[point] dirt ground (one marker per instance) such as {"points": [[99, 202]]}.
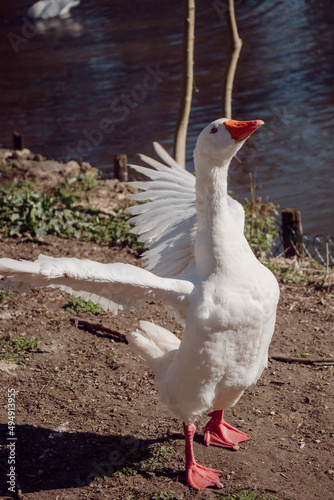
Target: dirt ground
{"points": [[87, 408], [89, 424]]}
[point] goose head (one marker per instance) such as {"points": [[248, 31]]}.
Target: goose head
{"points": [[221, 140]]}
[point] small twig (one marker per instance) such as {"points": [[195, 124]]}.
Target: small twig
{"points": [[33, 239], [97, 327], [303, 361]]}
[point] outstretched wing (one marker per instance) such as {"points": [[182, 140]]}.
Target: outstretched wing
{"points": [[113, 286], [167, 224]]}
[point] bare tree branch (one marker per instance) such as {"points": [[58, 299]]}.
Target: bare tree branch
{"points": [[233, 61], [180, 137]]}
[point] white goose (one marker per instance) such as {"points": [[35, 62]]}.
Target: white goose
{"points": [[47, 9], [226, 297]]}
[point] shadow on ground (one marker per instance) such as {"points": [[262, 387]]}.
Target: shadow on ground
{"points": [[47, 460]]}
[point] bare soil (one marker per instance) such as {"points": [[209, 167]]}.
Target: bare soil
{"points": [[87, 407], [87, 410]]}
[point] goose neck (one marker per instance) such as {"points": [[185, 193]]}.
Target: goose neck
{"points": [[213, 219]]}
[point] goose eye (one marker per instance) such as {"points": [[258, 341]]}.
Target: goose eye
{"points": [[214, 130]]}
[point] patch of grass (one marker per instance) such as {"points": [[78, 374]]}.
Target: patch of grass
{"points": [[78, 306], [244, 493], [292, 276], [18, 348], [294, 271], [302, 355], [160, 454], [165, 495], [6, 295], [126, 471]]}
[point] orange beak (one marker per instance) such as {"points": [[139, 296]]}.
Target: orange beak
{"points": [[241, 130]]}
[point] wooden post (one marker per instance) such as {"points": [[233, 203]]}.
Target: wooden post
{"points": [[121, 168], [292, 233], [18, 142]]}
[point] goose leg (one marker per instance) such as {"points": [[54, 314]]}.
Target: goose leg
{"points": [[219, 433], [198, 477]]}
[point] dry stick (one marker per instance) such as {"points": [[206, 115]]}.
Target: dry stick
{"points": [[186, 85], [231, 67], [97, 327], [303, 361], [327, 261]]}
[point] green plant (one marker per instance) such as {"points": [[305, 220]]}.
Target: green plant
{"points": [[303, 354], [18, 348], [114, 228], [260, 223], [75, 188], [6, 295], [37, 214], [244, 493], [287, 271], [77, 306], [25, 210], [160, 454], [165, 495], [294, 276]]}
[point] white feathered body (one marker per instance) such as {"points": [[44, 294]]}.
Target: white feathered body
{"points": [[229, 324], [218, 359]]}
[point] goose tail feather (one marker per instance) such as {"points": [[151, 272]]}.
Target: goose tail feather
{"points": [[153, 343]]}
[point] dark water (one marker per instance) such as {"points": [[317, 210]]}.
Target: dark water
{"points": [[107, 81]]}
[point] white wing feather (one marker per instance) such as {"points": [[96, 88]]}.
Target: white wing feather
{"points": [[113, 286], [167, 224]]}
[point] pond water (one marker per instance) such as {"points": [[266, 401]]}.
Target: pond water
{"points": [[107, 81]]}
